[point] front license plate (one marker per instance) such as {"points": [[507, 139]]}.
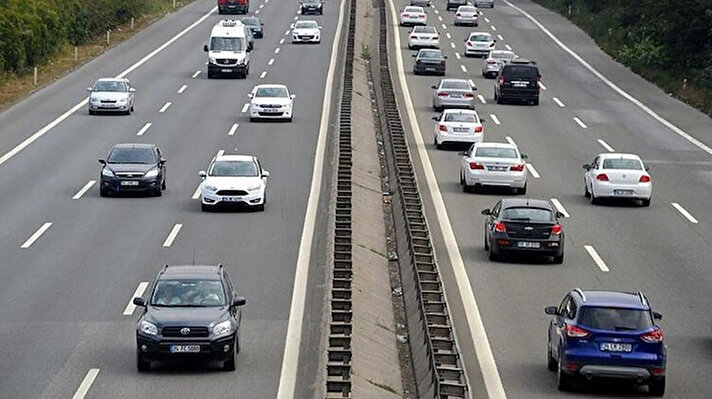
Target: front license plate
{"points": [[232, 199], [185, 348], [271, 111], [526, 244], [623, 193], [226, 70], [616, 347], [129, 183]]}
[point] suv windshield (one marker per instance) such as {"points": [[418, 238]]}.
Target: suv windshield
{"points": [[234, 168], [132, 155], [111, 86], [520, 71], [460, 117], [271, 92], [528, 214], [615, 318], [227, 44], [191, 293], [493, 152], [622, 163]]}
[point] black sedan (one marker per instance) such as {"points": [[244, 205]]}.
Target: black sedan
{"points": [[131, 168], [255, 24], [429, 61], [312, 7], [524, 226]]}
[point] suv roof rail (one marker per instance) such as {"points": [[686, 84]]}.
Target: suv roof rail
{"points": [[643, 299], [580, 292]]}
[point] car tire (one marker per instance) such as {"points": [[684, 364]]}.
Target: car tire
{"points": [[92, 112], [253, 119], [103, 192], [564, 381], [522, 190], [586, 194], [157, 192], [229, 364], [205, 208], [550, 361], [142, 364], [435, 142], [163, 185], [592, 198], [535, 102], [646, 202], [486, 243], [559, 259], [493, 256], [210, 74], [657, 387]]}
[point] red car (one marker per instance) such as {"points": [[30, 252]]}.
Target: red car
{"points": [[233, 6]]}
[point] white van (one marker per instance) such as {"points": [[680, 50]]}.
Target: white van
{"points": [[228, 50]]}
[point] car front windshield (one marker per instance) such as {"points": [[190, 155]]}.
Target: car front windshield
{"points": [[111, 86], [311, 1], [460, 117], [188, 293], [622, 163], [306, 25], [234, 168], [132, 155], [480, 38], [615, 319], [494, 152], [456, 85], [227, 44], [528, 214], [279, 92]]}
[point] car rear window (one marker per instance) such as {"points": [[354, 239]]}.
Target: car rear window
{"points": [[480, 38], [528, 214], [413, 9], [616, 319], [467, 9], [493, 152], [424, 29], [622, 163], [457, 85], [432, 54], [521, 71], [503, 55], [460, 117]]}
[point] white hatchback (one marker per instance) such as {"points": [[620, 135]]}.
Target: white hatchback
{"points": [[458, 126], [271, 101], [479, 44], [234, 180], [613, 175], [306, 32], [413, 15], [493, 164]]}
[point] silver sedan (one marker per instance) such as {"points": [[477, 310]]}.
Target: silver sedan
{"points": [[111, 95], [453, 93], [494, 62], [467, 15]]}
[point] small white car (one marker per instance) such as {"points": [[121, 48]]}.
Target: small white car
{"points": [[111, 95], [413, 15], [457, 126], [493, 164], [467, 15], [234, 180], [494, 61], [613, 175], [306, 32], [423, 36], [479, 44], [271, 101]]}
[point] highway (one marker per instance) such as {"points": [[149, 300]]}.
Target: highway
{"points": [[72, 261], [663, 250]]}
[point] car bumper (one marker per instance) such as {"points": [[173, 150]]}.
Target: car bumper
{"points": [[119, 185], [212, 199], [503, 179], [637, 366], [317, 10], [523, 95], [282, 113], [477, 51], [455, 102], [466, 21], [458, 138], [419, 43], [160, 349], [438, 69], [314, 39], [413, 21], [552, 247], [638, 191], [227, 69], [109, 109]]}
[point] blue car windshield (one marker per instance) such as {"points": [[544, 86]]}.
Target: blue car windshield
{"points": [[615, 319]]}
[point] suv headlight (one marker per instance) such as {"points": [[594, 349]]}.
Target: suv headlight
{"points": [[107, 172], [148, 328], [151, 173], [223, 328]]}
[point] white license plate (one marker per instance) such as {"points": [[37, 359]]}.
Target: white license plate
{"points": [[616, 347], [460, 130], [498, 169], [520, 84], [107, 106], [526, 244], [185, 348], [623, 193], [226, 70], [271, 111], [456, 95], [129, 183], [232, 199]]}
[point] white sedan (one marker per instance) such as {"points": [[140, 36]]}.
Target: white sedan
{"points": [[271, 102], [479, 44], [493, 164], [234, 180], [306, 32], [413, 15], [612, 175], [458, 126], [423, 36]]}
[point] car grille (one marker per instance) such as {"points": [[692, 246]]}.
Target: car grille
{"points": [[108, 101], [271, 113], [129, 174], [225, 61], [306, 37], [231, 192], [194, 332]]}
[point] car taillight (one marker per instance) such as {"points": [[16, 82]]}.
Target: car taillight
{"points": [[414, 37], [406, 15], [443, 128], [469, 95], [576, 332], [469, 43], [644, 179], [421, 16], [458, 14], [475, 165], [517, 168], [500, 227], [478, 129], [653, 337], [556, 230], [501, 79], [602, 177], [491, 62], [443, 94]]}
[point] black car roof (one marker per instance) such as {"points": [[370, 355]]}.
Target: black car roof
{"points": [[206, 272], [134, 145], [525, 203]]}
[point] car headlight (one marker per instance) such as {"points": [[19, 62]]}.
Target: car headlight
{"points": [[223, 328], [148, 328], [122, 101], [107, 172], [253, 188], [94, 100], [212, 60], [151, 173], [210, 188]]}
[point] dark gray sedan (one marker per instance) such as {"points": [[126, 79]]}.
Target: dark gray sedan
{"points": [[429, 61]]}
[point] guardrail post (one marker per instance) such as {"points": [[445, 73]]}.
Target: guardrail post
{"points": [[35, 76]]}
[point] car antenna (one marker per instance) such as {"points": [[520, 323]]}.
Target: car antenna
{"points": [[193, 256]]}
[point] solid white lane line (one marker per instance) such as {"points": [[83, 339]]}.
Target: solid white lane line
{"points": [[271, 61], [452, 45], [615, 87], [493, 28], [245, 107], [447, 34], [86, 384], [233, 129], [684, 212], [144, 129], [463, 68], [263, 74], [182, 89], [487, 20], [559, 207], [196, 193], [128, 311], [532, 171], [281, 41], [290, 359], [172, 235], [482, 98], [508, 47], [83, 190], [580, 122], [478, 335], [557, 101], [596, 258], [605, 145], [500, 37], [195, 75], [495, 119], [457, 55], [276, 51], [37, 235], [164, 107], [220, 153]]}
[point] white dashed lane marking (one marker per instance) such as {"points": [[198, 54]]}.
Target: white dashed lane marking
{"points": [[533, 171], [263, 74], [559, 207], [84, 190], [495, 119], [493, 28], [447, 34], [482, 98], [508, 47], [605, 145], [487, 20], [542, 86], [580, 122], [463, 68], [196, 193], [457, 55], [172, 235], [500, 37], [557, 101], [144, 129], [245, 107], [281, 41], [182, 89], [164, 107], [684, 212], [233, 129], [34, 237], [128, 311], [452, 45], [271, 61], [86, 384], [596, 258], [276, 51], [195, 75]]}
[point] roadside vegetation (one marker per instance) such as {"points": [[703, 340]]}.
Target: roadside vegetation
{"points": [[668, 42]]}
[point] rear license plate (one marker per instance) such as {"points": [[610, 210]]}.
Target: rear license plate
{"points": [[460, 130], [498, 168], [616, 347], [623, 193], [232, 199], [129, 183], [226, 70], [520, 84], [526, 244], [185, 348], [455, 95], [430, 69]]}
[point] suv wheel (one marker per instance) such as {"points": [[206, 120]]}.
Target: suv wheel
{"points": [[550, 361], [657, 387], [559, 259], [565, 381], [229, 364], [141, 363]]}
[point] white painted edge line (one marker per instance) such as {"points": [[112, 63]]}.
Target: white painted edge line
{"points": [[615, 87], [172, 235], [197, 192], [290, 359], [500, 37], [164, 107], [448, 35], [580, 122], [195, 75], [182, 89], [281, 41], [233, 129], [605, 145], [482, 98], [533, 171], [144, 129], [508, 47], [487, 20], [452, 45], [495, 119], [271, 61], [511, 141], [558, 102], [86, 384], [493, 28], [457, 55], [263, 74], [596, 258], [463, 68], [84, 189], [684, 212], [483, 350], [128, 311], [542, 86], [245, 107], [36, 235], [276, 51], [560, 207]]}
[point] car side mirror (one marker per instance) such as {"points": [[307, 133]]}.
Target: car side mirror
{"points": [[551, 310], [163, 160], [265, 173], [248, 50], [291, 26], [524, 156], [494, 41], [657, 316], [474, 88], [433, 87], [482, 121], [132, 90], [249, 95], [414, 55], [435, 118], [205, 47], [486, 212], [445, 56], [462, 153], [89, 89], [320, 28], [102, 161], [587, 166], [559, 214], [202, 174], [239, 301], [647, 168], [293, 96], [138, 301]]}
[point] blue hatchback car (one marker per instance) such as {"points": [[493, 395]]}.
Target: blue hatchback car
{"points": [[606, 334]]}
